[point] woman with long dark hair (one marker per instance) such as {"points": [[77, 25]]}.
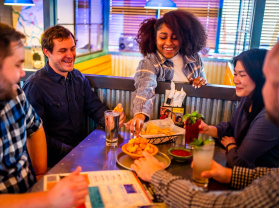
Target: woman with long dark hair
{"points": [[170, 46], [250, 139]]}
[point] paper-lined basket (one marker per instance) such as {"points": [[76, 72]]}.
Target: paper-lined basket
{"points": [[162, 138]]}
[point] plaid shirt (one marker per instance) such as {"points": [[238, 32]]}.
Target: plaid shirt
{"points": [[18, 120], [242, 177], [153, 68], [178, 192]]}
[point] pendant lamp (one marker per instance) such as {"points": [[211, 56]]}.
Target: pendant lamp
{"points": [[160, 4], [19, 3]]}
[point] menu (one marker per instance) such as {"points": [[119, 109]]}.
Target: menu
{"points": [[114, 188]]}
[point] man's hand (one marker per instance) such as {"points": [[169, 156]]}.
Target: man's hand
{"points": [[198, 82], [218, 172], [147, 166], [70, 191], [119, 109], [122, 119], [135, 125]]}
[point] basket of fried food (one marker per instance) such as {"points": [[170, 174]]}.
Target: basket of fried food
{"points": [[161, 131], [135, 147]]}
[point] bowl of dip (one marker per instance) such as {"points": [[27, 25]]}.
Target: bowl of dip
{"points": [[180, 154]]}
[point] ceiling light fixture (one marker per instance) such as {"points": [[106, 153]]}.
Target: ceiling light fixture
{"points": [[160, 4], [19, 3]]}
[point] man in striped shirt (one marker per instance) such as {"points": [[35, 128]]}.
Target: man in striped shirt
{"points": [[263, 192]]}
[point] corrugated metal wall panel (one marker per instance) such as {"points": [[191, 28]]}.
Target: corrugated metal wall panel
{"points": [[126, 66], [214, 110]]}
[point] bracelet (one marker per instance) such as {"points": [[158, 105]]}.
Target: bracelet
{"points": [[229, 145]]}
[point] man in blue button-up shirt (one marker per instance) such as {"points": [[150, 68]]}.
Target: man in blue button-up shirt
{"points": [[61, 95]]}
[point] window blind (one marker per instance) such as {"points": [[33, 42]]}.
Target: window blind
{"points": [[127, 15], [236, 22], [270, 29]]}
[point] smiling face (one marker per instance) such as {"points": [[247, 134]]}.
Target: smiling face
{"points": [[244, 85], [63, 55], [167, 42]]}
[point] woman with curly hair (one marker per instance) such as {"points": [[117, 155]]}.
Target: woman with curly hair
{"points": [[250, 139], [170, 46]]}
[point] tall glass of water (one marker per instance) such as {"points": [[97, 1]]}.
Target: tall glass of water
{"points": [[111, 127], [202, 159]]}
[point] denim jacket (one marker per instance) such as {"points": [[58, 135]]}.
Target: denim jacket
{"points": [[153, 68]]}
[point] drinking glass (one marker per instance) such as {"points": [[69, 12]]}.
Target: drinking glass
{"points": [[191, 132], [111, 127], [202, 159]]}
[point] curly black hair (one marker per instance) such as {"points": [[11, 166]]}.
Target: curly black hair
{"points": [[188, 29]]}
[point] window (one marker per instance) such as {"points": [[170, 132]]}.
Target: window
{"points": [[84, 18], [127, 15], [270, 28], [236, 24], [230, 24], [124, 20], [207, 12]]}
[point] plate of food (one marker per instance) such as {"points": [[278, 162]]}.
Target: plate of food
{"points": [[135, 147], [125, 161], [133, 150], [161, 130]]}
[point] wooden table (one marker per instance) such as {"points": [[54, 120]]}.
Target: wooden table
{"points": [[92, 154]]}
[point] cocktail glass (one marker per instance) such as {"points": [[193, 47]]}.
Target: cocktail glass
{"points": [[202, 159], [191, 132]]}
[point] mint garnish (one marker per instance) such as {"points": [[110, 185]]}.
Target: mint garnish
{"points": [[193, 117]]}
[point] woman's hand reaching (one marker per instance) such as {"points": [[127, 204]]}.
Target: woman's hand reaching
{"points": [[198, 82], [208, 129], [135, 125], [203, 128]]}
